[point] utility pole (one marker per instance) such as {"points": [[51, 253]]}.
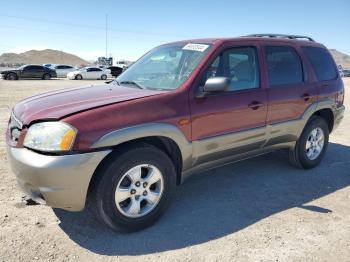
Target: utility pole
{"points": [[106, 35]]}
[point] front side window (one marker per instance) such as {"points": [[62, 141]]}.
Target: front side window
{"points": [[240, 65], [29, 68], [321, 62], [166, 67], [284, 66]]}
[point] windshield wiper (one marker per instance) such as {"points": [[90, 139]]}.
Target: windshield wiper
{"points": [[131, 83]]}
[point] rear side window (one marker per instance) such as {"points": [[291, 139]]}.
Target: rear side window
{"points": [[321, 62], [284, 66]]}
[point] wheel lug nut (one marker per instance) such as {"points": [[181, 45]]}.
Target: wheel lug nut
{"points": [[137, 184], [133, 191], [145, 193], [137, 197], [145, 184]]}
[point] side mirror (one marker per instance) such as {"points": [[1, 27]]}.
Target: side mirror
{"points": [[214, 85]]}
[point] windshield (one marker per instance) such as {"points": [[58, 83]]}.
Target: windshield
{"points": [[166, 67]]}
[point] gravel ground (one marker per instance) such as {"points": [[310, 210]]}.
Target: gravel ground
{"points": [[258, 209]]}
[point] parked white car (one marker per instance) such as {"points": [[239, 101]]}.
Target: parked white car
{"points": [[90, 73], [63, 70]]}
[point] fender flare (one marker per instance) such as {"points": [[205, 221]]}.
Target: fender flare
{"points": [[120, 136]]}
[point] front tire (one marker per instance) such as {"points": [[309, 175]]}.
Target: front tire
{"points": [[78, 77], [103, 77], [312, 144], [133, 188], [11, 76]]}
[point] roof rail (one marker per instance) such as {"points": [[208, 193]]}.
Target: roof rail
{"points": [[282, 36]]}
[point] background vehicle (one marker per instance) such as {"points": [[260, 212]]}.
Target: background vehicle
{"points": [[115, 70], [89, 73], [29, 71], [63, 70], [346, 72], [340, 69], [121, 149], [49, 65]]}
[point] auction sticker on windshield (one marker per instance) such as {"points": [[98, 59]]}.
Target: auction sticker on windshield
{"points": [[195, 47]]}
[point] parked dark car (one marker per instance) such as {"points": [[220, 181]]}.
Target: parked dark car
{"points": [[115, 70], [346, 72], [121, 149], [29, 71]]}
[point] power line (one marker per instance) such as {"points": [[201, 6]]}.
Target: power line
{"points": [[73, 34], [40, 20]]}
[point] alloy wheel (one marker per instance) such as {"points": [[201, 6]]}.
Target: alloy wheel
{"points": [[139, 190], [314, 143]]}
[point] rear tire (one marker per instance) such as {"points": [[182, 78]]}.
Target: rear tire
{"points": [[46, 77], [103, 77], [138, 210], [312, 144], [78, 77]]}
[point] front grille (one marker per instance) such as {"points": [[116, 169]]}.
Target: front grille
{"points": [[15, 127]]}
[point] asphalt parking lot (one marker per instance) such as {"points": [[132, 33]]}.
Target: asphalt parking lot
{"points": [[258, 209]]}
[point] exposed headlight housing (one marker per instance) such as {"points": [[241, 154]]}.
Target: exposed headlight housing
{"points": [[50, 137]]}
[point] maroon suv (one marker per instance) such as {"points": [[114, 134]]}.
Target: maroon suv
{"points": [[120, 149]]}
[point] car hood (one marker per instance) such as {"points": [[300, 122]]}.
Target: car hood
{"points": [[56, 105], [8, 71]]}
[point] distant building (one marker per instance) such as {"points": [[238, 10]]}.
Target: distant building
{"points": [[122, 63], [107, 61]]}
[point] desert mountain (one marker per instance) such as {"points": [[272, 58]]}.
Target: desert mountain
{"points": [[58, 57], [41, 57], [341, 58]]}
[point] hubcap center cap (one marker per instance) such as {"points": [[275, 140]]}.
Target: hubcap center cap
{"points": [[137, 191]]}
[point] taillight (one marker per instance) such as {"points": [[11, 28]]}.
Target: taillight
{"points": [[340, 98]]}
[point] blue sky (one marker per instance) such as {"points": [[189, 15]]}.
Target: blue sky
{"points": [[137, 26]]}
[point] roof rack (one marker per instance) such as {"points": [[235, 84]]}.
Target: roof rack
{"points": [[282, 36]]}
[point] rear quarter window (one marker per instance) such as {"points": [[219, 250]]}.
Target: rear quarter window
{"points": [[321, 62]]}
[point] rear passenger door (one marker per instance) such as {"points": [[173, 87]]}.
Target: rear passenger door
{"points": [[289, 91], [38, 71]]}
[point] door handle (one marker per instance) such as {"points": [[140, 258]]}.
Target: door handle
{"points": [[306, 97], [255, 105]]}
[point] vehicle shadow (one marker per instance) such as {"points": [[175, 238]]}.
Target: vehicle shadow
{"points": [[219, 202]]}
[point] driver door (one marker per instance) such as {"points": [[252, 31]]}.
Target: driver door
{"points": [[27, 72], [232, 121]]}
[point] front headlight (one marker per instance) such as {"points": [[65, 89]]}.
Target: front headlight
{"points": [[50, 136]]}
